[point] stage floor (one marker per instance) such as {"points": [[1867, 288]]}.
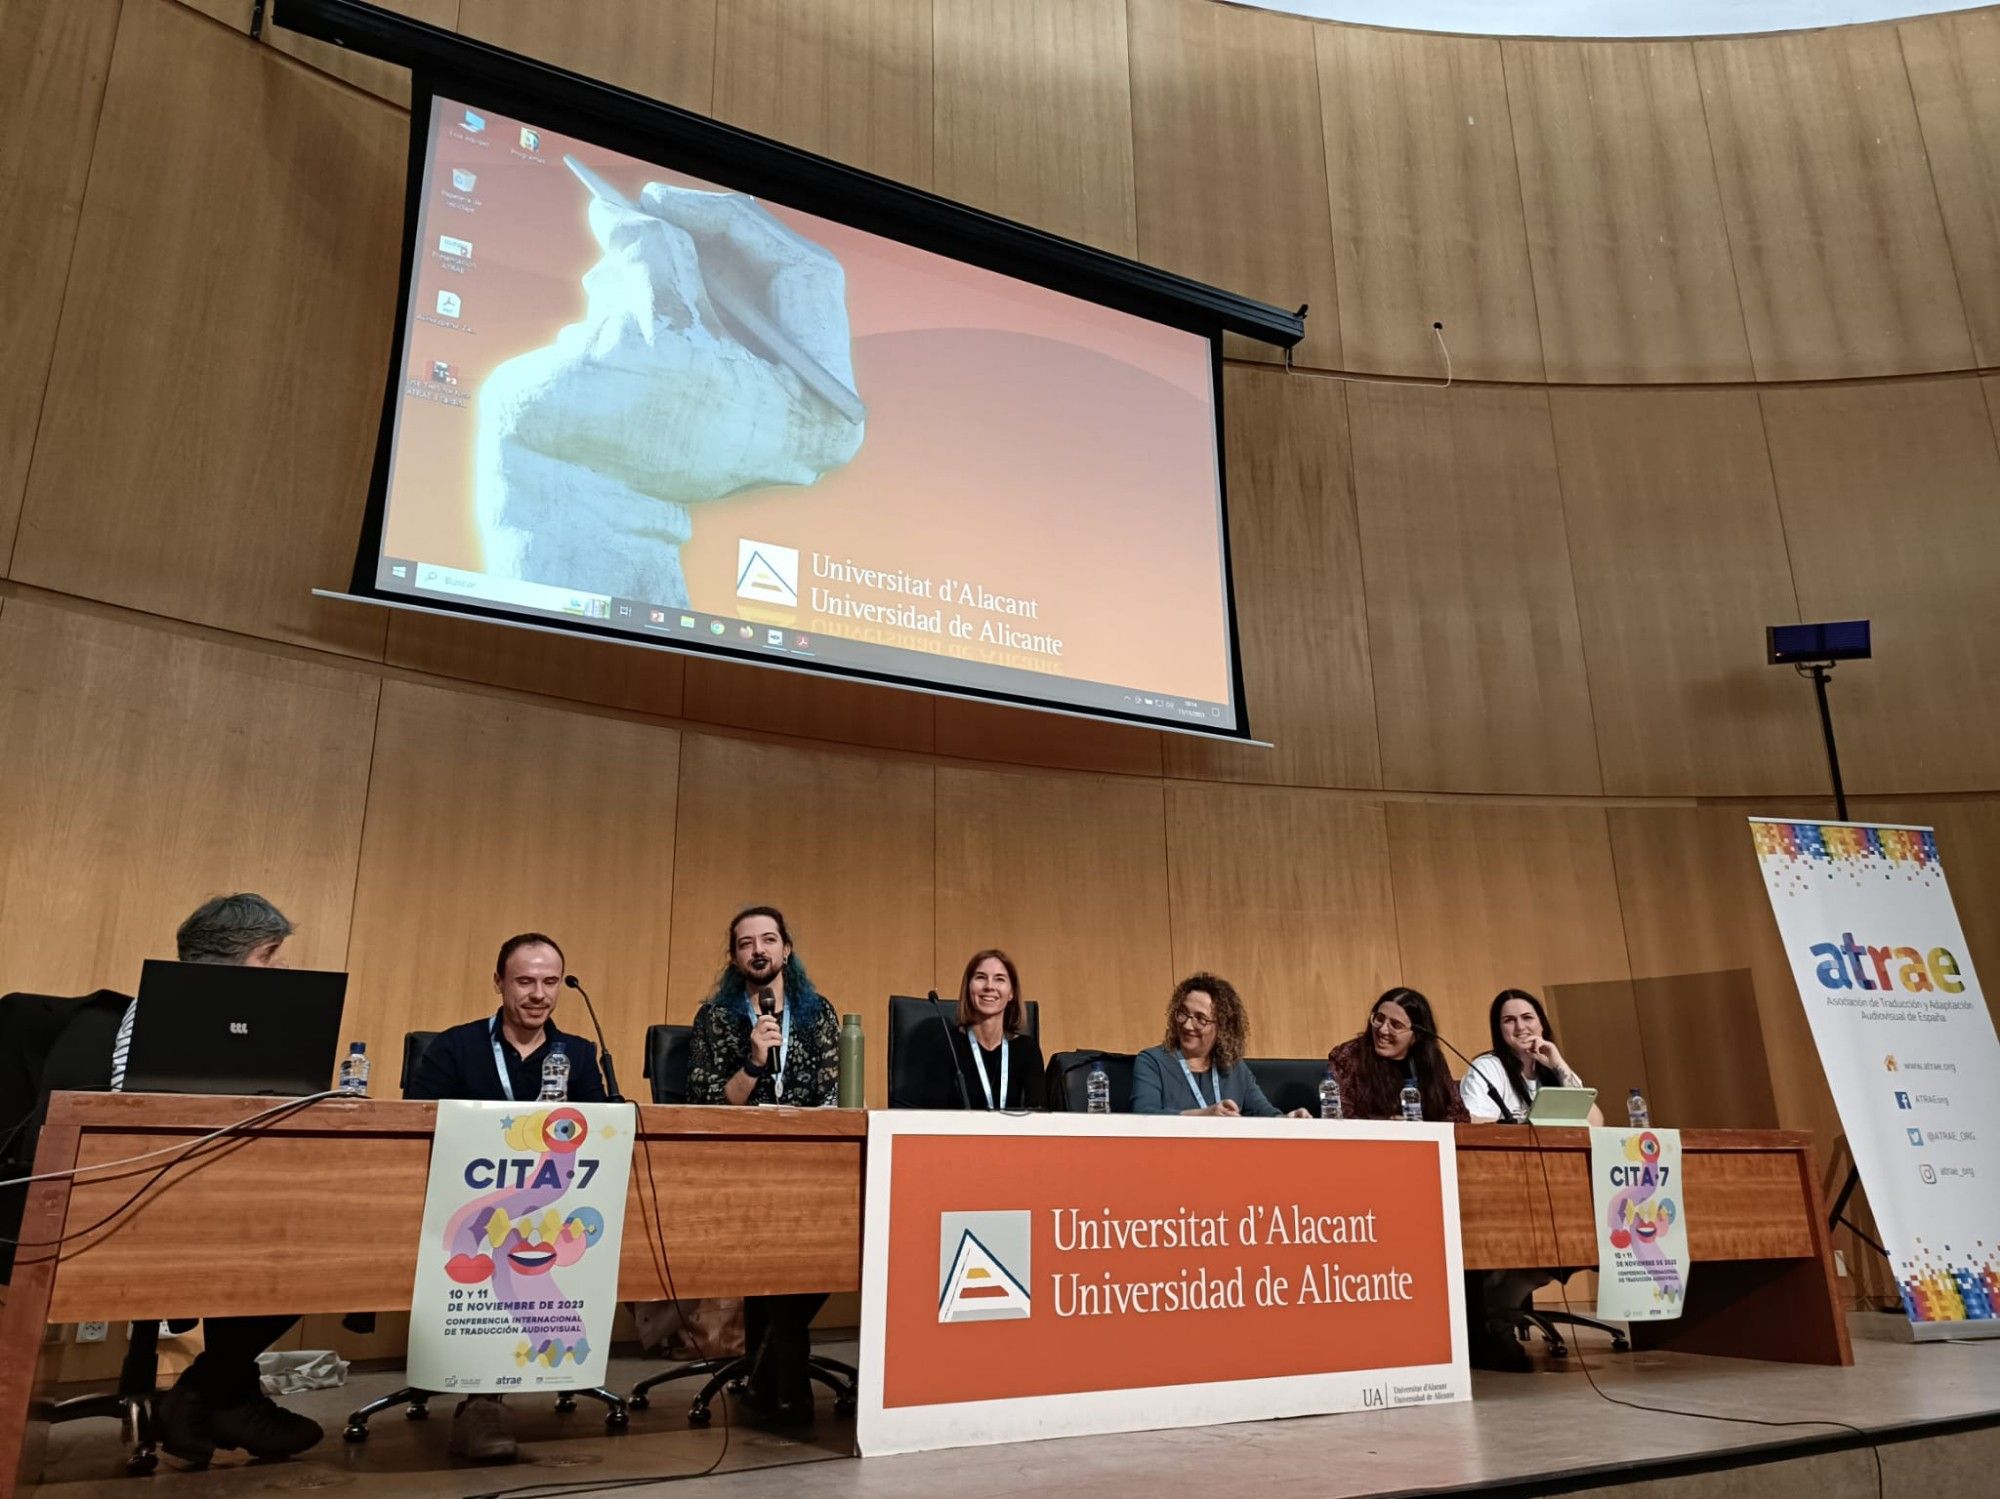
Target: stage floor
{"points": [[1518, 1432]]}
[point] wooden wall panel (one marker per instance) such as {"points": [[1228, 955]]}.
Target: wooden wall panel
{"points": [[1231, 165], [783, 702], [1472, 624], [1834, 227], [488, 817], [1891, 500], [665, 52], [1496, 896], [540, 661], [54, 54], [1680, 562], [1034, 114], [1633, 280], [148, 771], [841, 843], [1300, 615], [1705, 1061], [1021, 736], [1301, 935], [1427, 222], [1954, 67], [1693, 903], [213, 405], [1069, 875], [370, 74], [850, 79]]}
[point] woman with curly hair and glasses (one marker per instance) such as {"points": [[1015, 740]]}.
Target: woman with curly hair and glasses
{"points": [[1199, 1068]]}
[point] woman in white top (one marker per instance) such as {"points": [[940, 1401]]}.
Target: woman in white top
{"points": [[1503, 1082]]}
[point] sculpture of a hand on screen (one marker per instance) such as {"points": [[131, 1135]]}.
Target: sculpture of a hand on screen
{"points": [[713, 357]]}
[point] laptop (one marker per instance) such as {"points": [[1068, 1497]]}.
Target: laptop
{"points": [[217, 1028], [1562, 1105]]}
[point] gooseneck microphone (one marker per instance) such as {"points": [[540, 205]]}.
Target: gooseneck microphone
{"points": [[611, 1092], [1506, 1113], [767, 1004], [951, 1049]]}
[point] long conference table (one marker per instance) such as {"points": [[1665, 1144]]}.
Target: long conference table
{"points": [[320, 1210]]}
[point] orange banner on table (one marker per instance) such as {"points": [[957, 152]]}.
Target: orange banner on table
{"points": [[1031, 1277]]}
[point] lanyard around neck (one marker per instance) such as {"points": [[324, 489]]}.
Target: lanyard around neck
{"points": [[1215, 1074], [979, 1066], [500, 1058]]}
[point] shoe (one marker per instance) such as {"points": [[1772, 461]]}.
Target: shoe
{"points": [[481, 1431], [262, 1428], [181, 1426], [760, 1409], [1495, 1347]]}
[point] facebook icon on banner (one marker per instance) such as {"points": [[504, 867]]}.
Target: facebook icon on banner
{"points": [[1903, 1101]]}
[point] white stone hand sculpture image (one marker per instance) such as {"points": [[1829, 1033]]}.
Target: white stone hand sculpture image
{"points": [[713, 357]]}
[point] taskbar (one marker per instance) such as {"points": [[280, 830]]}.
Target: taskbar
{"points": [[791, 637]]}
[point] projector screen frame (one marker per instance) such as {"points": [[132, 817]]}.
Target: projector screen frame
{"points": [[475, 74]]}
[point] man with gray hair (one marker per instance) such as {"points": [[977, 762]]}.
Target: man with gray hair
{"points": [[218, 1401]]}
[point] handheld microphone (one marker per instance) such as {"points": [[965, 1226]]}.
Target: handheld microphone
{"points": [[603, 1052], [767, 1004], [1506, 1113], [951, 1047]]}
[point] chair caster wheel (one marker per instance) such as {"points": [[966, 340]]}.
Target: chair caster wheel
{"points": [[844, 1406], [699, 1415], [354, 1434], [1558, 1351], [1620, 1345], [417, 1413], [139, 1464], [617, 1421], [638, 1402], [565, 1404]]}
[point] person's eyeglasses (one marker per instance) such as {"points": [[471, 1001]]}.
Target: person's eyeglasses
{"points": [[1199, 1022], [1387, 1025]]}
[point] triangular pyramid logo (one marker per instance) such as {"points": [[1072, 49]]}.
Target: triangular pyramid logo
{"points": [[767, 573], [978, 1288]]}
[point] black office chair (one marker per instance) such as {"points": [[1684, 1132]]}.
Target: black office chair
{"points": [[1289, 1082], [667, 1072], [416, 1403], [907, 1019], [1069, 1080], [49, 1045], [1530, 1319]]}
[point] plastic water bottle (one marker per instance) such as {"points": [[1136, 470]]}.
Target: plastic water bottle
{"points": [[1097, 1090], [354, 1070], [1329, 1096], [853, 1064], [1413, 1103], [555, 1074], [1636, 1110]]}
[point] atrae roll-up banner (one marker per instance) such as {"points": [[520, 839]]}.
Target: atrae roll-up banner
{"points": [[1908, 1046], [1642, 1244], [1057, 1275], [517, 1272]]}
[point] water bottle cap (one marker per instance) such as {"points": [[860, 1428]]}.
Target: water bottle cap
{"points": [[356, 1048], [558, 1048], [853, 1020]]}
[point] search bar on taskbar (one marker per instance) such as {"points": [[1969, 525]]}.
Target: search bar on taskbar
{"points": [[513, 591]]}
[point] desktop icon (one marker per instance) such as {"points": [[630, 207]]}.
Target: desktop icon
{"points": [[448, 304], [462, 248], [801, 642], [747, 632], [658, 616], [774, 637], [398, 570], [474, 123], [715, 627], [444, 373], [1903, 1101], [687, 621], [463, 180], [530, 140]]}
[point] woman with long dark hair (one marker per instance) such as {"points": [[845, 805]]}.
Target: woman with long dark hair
{"points": [[1399, 1044], [1523, 1060]]}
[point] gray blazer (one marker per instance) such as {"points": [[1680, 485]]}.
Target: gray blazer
{"points": [[1159, 1088]]}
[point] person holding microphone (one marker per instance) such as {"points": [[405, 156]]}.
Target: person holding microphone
{"points": [[1199, 1068]]}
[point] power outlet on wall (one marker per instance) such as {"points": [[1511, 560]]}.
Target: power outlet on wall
{"points": [[92, 1332]]}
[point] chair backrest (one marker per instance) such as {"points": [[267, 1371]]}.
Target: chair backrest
{"points": [[1289, 1082], [667, 1061], [907, 1016], [1069, 1080], [415, 1044]]}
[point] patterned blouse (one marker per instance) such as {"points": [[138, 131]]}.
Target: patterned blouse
{"points": [[721, 1045]]}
